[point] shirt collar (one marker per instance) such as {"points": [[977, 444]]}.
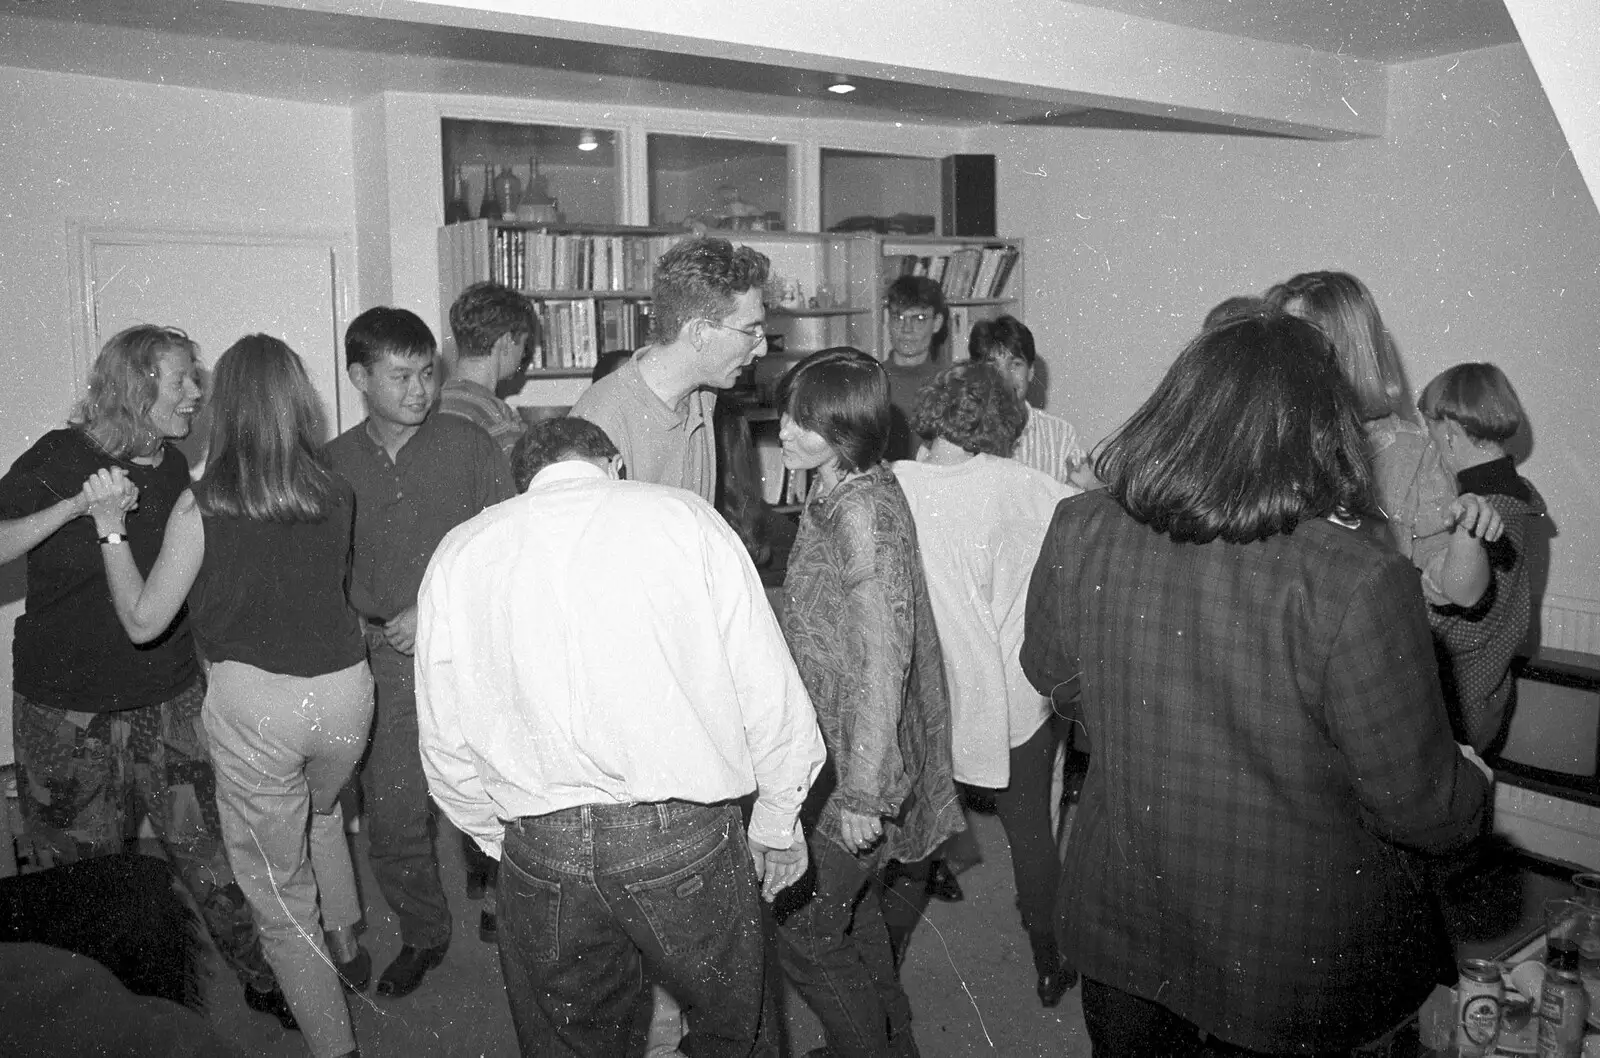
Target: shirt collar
{"points": [[693, 403], [566, 470], [1496, 476]]}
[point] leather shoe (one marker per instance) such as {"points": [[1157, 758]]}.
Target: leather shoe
{"points": [[1055, 984], [409, 967], [356, 974], [942, 884], [488, 927], [273, 1002]]}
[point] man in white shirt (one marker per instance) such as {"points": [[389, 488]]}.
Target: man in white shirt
{"points": [[599, 680]]}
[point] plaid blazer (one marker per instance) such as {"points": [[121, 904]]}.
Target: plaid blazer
{"points": [[1271, 764]]}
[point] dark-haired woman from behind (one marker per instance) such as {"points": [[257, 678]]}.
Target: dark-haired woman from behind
{"points": [[260, 547], [1272, 759], [860, 626]]}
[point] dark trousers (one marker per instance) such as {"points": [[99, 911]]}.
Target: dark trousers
{"points": [[1024, 811], [394, 794], [85, 780], [594, 898], [1123, 1025], [835, 950]]}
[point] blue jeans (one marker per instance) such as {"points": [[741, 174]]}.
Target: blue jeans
{"points": [[592, 898]]}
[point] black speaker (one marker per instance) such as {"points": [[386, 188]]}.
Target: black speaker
{"points": [[967, 194]]}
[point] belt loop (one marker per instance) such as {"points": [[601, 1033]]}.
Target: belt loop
{"points": [[661, 814]]}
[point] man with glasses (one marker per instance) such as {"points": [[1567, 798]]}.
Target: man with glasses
{"points": [[709, 326], [917, 319]]}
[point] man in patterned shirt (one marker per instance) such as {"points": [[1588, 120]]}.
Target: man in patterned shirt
{"points": [[1048, 442], [493, 326]]}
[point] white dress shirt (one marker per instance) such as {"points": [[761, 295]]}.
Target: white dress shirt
{"points": [[596, 641]]}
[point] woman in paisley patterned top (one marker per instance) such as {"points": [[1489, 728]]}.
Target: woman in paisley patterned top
{"points": [[860, 627]]}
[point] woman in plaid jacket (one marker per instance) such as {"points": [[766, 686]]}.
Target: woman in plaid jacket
{"points": [[1272, 761]]}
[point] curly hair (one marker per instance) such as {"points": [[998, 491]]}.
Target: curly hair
{"points": [[699, 278], [123, 385], [265, 459], [484, 313], [1253, 430], [972, 406]]}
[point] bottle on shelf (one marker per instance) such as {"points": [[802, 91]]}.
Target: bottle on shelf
{"points": [[490, 207]]}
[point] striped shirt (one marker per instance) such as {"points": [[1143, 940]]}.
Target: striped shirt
{"points": [[476, 404], [1049, 444]]}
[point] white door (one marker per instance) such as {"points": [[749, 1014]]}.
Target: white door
{"points": [[218, 288]]}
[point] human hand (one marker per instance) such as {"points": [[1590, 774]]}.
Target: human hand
{"points": [[779, 868], [1477, 761], [861, 832], [1476, 516], [401, 630], [106, 496]]}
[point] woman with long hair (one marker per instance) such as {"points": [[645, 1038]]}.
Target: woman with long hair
{"points": [[260, 548], [1272, 760], [106, 732], [1439, 530], [858, 622], [980, 519]]}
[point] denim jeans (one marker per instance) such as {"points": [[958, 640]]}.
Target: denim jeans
{"points": [[595, 897], [833, 947]]}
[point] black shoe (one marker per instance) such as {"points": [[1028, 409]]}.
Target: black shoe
{"points": [[356, 974], [409, 967], [1055, 984], [271, 1002], [488, 927], [942, 884]]}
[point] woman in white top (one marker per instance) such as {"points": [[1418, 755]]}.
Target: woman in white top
{"points": [[980, 518]]}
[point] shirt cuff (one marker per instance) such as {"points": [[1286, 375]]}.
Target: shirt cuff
{"points": [[771, 826]]}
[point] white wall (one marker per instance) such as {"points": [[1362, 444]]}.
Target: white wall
{"points": [[1469, 221], [87, 149]]}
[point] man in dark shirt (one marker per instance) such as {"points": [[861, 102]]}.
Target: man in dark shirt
{"points": [[416, 476]]}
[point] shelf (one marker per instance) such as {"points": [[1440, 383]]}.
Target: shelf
{"points": [[579, 295], [978, 302], [804, 313], [788, 508], [558, 372]]}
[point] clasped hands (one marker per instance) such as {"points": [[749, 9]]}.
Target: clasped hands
{"points": [[1476, 516], [106, 496]]}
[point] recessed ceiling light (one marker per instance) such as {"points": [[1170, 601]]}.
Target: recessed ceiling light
{"points": [[587, 142], [841, 86]]}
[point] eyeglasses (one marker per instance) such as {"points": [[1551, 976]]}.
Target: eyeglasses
{"points": [[756, 332], [910, 319]]}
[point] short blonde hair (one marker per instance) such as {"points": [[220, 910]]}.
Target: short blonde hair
{"points": [[123, 385]]}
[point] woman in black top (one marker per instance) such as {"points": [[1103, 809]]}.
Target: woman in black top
{"points": [[261, 549], [105, 731]]}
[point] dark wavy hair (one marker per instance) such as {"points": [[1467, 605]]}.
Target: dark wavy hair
{"points": [[1253, 430], [920, 292], [484, 313], [1479, 398], [1003, 334], [123, 384], [552, 440], [385, 329], [971, 405], [265, 460], [699, 278], [842, 394]]}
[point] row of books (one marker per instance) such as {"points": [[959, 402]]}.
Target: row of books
{"points": [[575, 331], [531, 259], [968, 273]]}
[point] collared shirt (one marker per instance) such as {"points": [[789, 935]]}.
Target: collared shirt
{"points": [[1049, 444], [478, 404], [605, 642], [447, 472], [667, 446]]}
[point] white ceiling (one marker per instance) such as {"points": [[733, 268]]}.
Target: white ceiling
{"points": [[326, 56]]}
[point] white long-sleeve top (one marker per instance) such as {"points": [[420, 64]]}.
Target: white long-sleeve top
{"points": [[595, 641], [979, 525]]}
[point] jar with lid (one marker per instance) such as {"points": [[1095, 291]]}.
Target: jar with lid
{"points": [[1479, 996]]}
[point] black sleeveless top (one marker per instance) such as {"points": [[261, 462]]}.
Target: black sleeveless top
{"points": [[273, 594]]}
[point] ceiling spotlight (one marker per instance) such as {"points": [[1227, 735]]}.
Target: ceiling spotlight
{"points": [[841, 86], [586, 141]]}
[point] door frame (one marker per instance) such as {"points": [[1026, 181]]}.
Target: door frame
{"points": [[85, 236]]}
